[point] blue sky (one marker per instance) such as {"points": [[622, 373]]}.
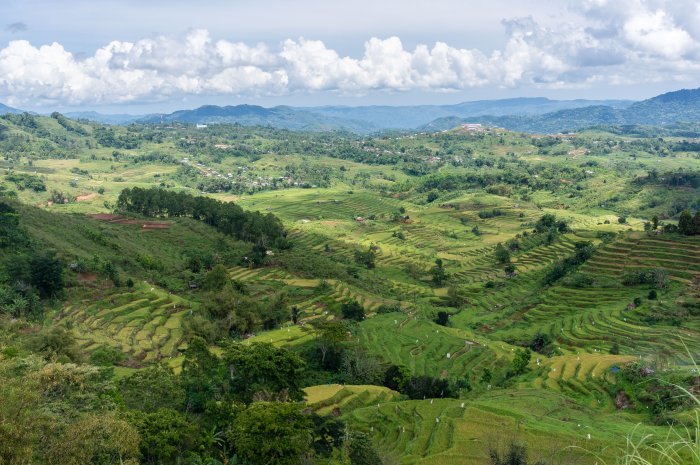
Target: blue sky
{"points": [[155, 55]]}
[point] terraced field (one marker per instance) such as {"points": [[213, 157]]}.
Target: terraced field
{"points": [[145, 323], [583, 376], [680, 257], [451, 431], [428, 348], [338, 398]]}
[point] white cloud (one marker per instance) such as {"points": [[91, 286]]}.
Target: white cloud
{"points": [[618, 41]]}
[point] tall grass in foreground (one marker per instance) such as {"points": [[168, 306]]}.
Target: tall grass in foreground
{"points": [[680, 446]]}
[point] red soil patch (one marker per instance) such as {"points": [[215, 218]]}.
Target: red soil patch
{"points": [[118, 219], [156, 225], [104, 216], [87, 277], [85, 197]]}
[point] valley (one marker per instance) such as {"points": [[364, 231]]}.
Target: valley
{"points": [[442, 292]]}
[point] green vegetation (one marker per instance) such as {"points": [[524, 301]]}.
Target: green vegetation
{"points": [[250, 295]]}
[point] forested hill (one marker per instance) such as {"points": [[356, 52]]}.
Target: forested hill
{"points": [[665, 109], [5, 109], [253, 115], [535, 115]]}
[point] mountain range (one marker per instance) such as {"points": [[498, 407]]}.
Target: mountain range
{"points": [[5, 109], [536, 115], [664, 109]]}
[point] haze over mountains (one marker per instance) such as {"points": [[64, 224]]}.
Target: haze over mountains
{"points": [[5, 109], [522, 114]]}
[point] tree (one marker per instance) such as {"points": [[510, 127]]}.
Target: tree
{"points": [[352, 310], [685, 223], [521, 361], [397, 377], [330, 336], [20, 420], [439, 276], [422, 387], [486, 376], [258, 254], [56, 342], [97, 439], [11, 233], [510, 270], [46, 273], [152, 388], [272, 433], [202, 376], [216, 279], [696, 224], [501, 254], [360, 367], [329, 433], [165, 435], [515, 455], [261, 368], [361, 451], [541, 342], [654, 222], [443, 318], [366, 258], [615, 348]]}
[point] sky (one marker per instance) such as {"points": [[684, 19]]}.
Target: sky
{"points": [[154, 56]]}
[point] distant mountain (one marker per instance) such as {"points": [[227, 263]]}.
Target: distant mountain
{"points": [[103, 118], [252, 115], [665, 109], [672, 107], [536, 115], [367, 119], [409, 117], [5, 109]]}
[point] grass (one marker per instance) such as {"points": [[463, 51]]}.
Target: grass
{"points": [[552, 407], [145, 322]]}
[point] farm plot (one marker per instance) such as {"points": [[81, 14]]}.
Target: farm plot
{"points": [[145, 323]]}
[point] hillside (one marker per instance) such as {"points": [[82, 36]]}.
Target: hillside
{"points": [[360, 119], [666, 109], [410, 117], [5, 109], [411, 298], [252, 115]]}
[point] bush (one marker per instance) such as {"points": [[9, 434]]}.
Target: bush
{"points": [[352, 310], [485, 214], [656, 277], [520, 362], [443, 318], [427, 387], [107, 356]]}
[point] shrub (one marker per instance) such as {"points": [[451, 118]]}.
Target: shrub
{"points": [[443, 318], [427, 387], [352, 310], [656, 277], [106, 356]]}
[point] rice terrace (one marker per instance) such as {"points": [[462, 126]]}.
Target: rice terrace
{"points": [[504, 281]]}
